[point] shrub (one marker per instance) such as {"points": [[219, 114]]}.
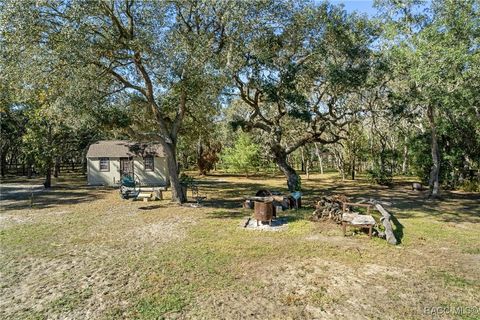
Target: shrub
{"points": [[471, 186], [185, 180], [243, 156], [381, 177]]}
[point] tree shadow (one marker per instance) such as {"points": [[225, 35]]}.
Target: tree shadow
{"points": [[18, 194], [154, 207], [222, 203], [228, 214], [50, 198], [226, 194], [291, 216], [454, 206], [398, 232]]}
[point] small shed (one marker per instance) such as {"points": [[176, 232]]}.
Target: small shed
{"points": [[109, 160]]}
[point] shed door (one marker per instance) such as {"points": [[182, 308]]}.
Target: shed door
{"points": [[126, 166]]}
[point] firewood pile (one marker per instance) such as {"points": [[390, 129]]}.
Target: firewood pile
{"points": [[330, 208]]}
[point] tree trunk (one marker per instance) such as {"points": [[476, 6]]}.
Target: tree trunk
{"points": [[3, 161], [290, 173], [405, 158], [29, 169], [84, 160], [353, 168], [56, 170], [172, 166], [307, 169], [200, 166], [303, 160], [352, 159], [48, 176], [435, 171], [320, 158], [339, 163], [382, 156]]}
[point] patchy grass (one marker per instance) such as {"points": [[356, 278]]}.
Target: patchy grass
{"points": [[84, 253], [450, 279]]}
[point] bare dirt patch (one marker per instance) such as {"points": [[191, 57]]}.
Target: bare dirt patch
{"points": [[72, 261], [162, 231]]}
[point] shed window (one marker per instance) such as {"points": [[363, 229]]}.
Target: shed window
{"points": [[104, 164], [148, 162]]}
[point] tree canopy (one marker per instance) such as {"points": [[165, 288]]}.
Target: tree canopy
{"points": [[390, 94]]}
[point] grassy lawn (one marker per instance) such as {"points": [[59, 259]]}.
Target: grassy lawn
{"points": [[84, 252]]}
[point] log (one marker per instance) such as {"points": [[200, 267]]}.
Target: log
{"points": [[386, 221], [330, 208]]}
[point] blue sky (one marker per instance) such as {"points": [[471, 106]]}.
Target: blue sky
{"points": [[362, 6]]}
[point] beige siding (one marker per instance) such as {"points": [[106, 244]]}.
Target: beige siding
{"points": [[105, 178], [156, 177], [112, 177]]}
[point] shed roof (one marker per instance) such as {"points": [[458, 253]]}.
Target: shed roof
{"points": [[123, 148]]}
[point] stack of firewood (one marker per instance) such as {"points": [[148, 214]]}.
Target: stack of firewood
{"points": [[330, 208]]}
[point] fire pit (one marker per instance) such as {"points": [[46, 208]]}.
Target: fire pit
{"points": [[280, 201], [263, 209], [263, 193], [276, 225]]}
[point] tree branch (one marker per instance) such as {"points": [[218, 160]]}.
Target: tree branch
{"points": [[182, 106], [311, 137], [120, 78]]}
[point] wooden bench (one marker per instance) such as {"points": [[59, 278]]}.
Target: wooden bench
{"points": [[156, 193], [159, 192], [145, 196], [357, 220]]}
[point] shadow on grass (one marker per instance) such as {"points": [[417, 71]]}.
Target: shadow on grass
{"points": [[293, 217], [223, 203], [227, 194], [398, 232], [19, 193], [456, 207], [151, 207], [287, 215], [49, 198], [229, 214], [254, 176]]}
